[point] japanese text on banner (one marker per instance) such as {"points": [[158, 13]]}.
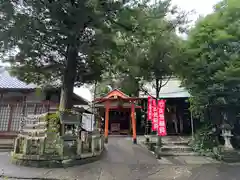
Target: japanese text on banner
{"points": [[149, 114], [161, 127], [154, 115]]}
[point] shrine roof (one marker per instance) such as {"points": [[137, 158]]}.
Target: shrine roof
{"points": [[115, 94]]}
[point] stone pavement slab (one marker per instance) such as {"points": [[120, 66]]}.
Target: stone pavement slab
{"points": [[196, 160], [125, 161], [172, 172], [9, 169]]}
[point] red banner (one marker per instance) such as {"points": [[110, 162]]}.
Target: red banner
{"points": [[149, 108], [154, 115], [161, 125]]}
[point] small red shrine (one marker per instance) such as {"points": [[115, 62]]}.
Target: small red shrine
{"points": [[118, 102]]}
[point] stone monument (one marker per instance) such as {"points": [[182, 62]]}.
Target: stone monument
{"points": [[54, 140]]}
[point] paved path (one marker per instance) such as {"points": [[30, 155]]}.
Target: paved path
{"points": [[125, 161]]}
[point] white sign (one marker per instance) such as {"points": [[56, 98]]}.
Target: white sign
{"points": [[88, 121], [115, 127]]}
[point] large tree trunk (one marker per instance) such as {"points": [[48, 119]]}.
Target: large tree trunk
{"points": [[68, 79]]}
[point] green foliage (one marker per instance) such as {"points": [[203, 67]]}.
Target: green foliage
{"points": [[130, 86], [71, 42], [43, 32], [125, 83], [53, 121], [206, 142], [149, 52], [210, 68]]}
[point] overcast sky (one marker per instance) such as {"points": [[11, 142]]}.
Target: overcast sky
{"points": [[202, 7]]}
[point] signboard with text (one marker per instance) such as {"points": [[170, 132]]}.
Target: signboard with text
{"points": [[161, 129], [149, 106], [156, 110], [154, 115]]}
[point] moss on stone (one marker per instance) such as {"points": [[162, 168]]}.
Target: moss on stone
{"points": [[57, 162]]}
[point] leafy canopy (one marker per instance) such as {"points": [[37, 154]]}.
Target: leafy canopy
{"points": [[150, 51], [211, 67], [40, 33], [71, 41]]}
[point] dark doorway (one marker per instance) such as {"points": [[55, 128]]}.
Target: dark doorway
{"points": [[119, 121], [178, 117]]}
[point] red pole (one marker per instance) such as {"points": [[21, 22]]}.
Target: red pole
{"points": [[107, 107], [133, 123]]}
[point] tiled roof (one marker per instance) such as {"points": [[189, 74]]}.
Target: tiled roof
{"points": [[172, 89], [9, 82]]}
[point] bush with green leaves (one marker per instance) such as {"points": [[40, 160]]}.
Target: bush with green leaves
{"points": [[206, 142]]}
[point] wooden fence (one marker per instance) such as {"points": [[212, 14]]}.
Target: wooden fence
{"points": [[11, 115]]}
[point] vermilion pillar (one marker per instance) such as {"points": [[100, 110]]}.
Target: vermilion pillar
{"points": [[107, 107], [133, 123]]}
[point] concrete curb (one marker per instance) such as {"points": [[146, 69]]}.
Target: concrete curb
{"points": [[165, 154], [30, 178]]}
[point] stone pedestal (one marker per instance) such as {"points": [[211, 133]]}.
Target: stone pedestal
{"points": [[229, 154], [40, 144]]}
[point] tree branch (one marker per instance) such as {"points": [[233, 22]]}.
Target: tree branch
{"points": [[166, 81], [146, 92], [50, 46]]}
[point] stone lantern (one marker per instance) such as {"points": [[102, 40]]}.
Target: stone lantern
{"points": [[227, 135]]}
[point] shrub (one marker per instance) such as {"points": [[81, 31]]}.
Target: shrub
{"points": [[206, 142]]}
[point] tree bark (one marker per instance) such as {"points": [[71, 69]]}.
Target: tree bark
{"points": [[157, 88], [159, 139], [69, 75]]}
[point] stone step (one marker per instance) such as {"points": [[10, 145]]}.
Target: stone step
{"points": [[33, 131], [178, 154], [231, 160], [34, 136], [231, 156], [39, 137], [176, 143], [6, 147], [176, 148], [39, 125]]}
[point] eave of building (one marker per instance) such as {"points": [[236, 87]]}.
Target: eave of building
{"points": [[172, 89], [10, 83]]}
